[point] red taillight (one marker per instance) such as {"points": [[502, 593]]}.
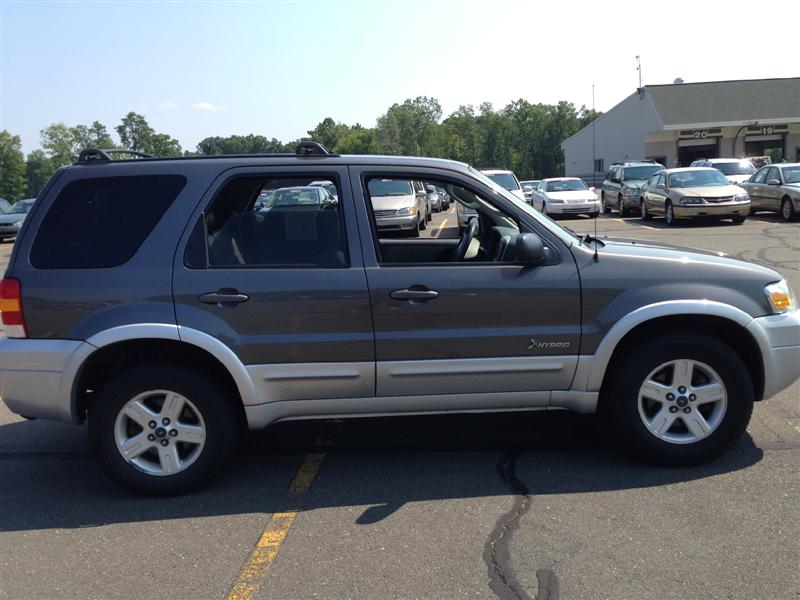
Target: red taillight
{"points": [[11, 308]]}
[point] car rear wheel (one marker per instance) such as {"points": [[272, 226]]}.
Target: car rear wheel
{"points": [[162, 429], [423, 223], [606, 207], [738, 220], [787, 209], [621, 206], [682, 400]]}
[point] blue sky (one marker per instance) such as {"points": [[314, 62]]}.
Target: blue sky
{"points": [[196, 69]]}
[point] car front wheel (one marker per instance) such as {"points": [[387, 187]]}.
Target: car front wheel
{"points": [[669, 214], [645, 214], [787, 209], [681, 400], [162, 429]]}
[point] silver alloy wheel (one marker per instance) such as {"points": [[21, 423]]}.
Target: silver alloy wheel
{"points": [[160, 432], [669, 217], [621, 206], [643, 209], [682, 401]]}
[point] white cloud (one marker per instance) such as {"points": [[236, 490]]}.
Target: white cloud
{"points": [[167, 105], [207, 106]]}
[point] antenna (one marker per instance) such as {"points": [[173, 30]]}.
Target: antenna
{"points": [[639, 68], [594, 176]]}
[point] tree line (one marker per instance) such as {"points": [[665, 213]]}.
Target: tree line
{"points": [[522, 136]]}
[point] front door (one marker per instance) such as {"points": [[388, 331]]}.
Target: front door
{"points": [[270, 269], [466, 318]]}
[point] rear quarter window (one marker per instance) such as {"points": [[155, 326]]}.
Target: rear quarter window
{"points": [[101, 222]]}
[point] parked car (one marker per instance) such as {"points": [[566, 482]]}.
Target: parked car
{"points": [[298, 197], [399, 205], [5, 205], [435, 198], [776, 188], [528, 187], [328, 185], [171, 318], [565, 196], [11, 221], [759, 161], [693, 193], [445, 197], [737, 170], [505, 179], [623, 184]]}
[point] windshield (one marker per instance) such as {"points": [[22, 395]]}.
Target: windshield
{"points": [[687, 179], [564, 233], [566, 185], [294, 197], [390, 187], [742, 167], [631, 173], [791, 174], [20, 208], [507, 180]]}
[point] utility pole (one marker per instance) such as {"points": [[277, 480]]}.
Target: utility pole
{"points": [[639, 68], [594, 159]]}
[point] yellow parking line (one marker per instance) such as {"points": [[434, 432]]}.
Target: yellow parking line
{"points": [[439, 231], [256, 569]]}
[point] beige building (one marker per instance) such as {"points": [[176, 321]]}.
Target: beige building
{"points": [[676, 124]]}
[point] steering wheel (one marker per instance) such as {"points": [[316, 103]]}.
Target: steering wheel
{"points": [[470, 231]]}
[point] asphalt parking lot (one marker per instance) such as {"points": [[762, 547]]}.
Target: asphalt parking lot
{"points": [[522, 505]]}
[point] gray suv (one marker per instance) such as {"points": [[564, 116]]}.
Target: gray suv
{"points": [[151, 298], [623, 185]]}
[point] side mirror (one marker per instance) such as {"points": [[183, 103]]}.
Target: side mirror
{"points": [[661, 186], [591, 189], [530, 249], [773, 182], [527, 188]]}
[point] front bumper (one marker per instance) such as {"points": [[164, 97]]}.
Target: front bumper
{"points": [[576, 208], [721, 210], [778, 337], [37, 376], [397, 223]]}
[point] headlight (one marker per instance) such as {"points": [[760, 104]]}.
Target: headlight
{"points": [[630, 192], [780, 297], [687, 200], [742, 197], [409, 210]]}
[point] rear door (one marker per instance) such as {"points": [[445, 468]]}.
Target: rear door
{"points": [[470, 327], [282, 286], [755, 188]]}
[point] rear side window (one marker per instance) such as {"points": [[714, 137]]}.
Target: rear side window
{"points": [[100, 223]]}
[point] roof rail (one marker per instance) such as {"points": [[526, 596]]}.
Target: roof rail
{"points": [[90, 155], [312, 149], [635, 160]]}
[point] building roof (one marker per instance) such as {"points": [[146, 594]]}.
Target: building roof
{"points": [[722, 102]]}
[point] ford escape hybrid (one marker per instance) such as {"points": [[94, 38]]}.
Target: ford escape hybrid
{"points": [[158, 300]]}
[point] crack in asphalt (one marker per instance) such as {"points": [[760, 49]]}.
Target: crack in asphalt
{"points": [[502, 578]]}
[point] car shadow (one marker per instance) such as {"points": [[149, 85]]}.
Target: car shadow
{"points": [[383, 463]]}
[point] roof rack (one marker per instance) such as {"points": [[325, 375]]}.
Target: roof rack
{"points": [[312, 149], [635, 160], [90, 155]]}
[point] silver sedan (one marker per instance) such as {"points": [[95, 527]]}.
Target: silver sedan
{"points": [[776, 188]]}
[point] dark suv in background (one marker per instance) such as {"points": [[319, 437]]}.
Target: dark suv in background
{"points": [[623, 184], [159, 301]]}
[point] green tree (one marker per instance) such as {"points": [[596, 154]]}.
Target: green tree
{"points": [[240, 144], [58, 141], [160, 144], [12, 167], [38, 169], [134, 132], [94, 136], [359, 140], [408, 128]]}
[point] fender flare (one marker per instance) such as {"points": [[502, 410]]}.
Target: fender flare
{"points": [[592, 369], [163, 331]]}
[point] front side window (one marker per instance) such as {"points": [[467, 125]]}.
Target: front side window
{"points": [[506, 180], [761, 176], [271, 222], [773, 174], [101, 222]]}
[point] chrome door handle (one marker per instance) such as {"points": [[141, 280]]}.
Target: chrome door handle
{"points": [[419, 295], [224, 297]]}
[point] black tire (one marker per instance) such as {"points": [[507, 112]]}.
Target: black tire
{"points": [[787, 209], [738, 220], [669, 214], [621, 206], [414, 232], [606, 208], [645, 214], [211, 400], [620, 398], [423, 224], [594, 215]]}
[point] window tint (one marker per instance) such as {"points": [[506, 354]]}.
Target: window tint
{"points": [[761, 176], [100, 223], [272, 222], [773, 174]]}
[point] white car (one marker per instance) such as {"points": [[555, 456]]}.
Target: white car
{"points": [[565, 196], [737, 170], [506, 179]]}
